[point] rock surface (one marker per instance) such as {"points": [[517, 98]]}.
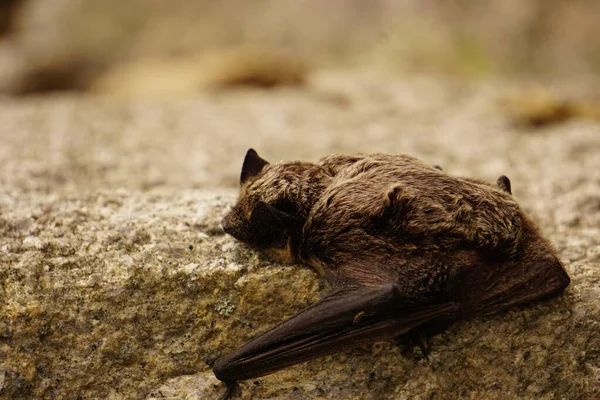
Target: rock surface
{"points": [[117, 282]]}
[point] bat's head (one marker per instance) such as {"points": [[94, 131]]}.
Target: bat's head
{"points": [[273, 204]]}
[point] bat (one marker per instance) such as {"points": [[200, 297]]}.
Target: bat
{"points": [[407, 248]]}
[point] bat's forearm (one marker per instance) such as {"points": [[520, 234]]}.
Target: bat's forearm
{"points": [[339, 322]]}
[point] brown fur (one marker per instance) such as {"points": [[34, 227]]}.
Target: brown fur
{"points": [[391, 225], [392, 194], [364, 217]]}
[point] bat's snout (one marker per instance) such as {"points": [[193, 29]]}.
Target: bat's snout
{"points": [[232, 225], [226, 224]]}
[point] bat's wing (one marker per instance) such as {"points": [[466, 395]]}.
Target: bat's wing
{"points": [[340, 321], [521, 283]]}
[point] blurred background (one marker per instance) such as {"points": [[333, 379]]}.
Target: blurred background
{"points": [[181, 45]]}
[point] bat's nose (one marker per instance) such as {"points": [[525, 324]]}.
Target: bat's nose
{"points": [[232, 226], [226, 224]]}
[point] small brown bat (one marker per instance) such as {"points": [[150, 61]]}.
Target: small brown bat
{"points": [[407, 248]]}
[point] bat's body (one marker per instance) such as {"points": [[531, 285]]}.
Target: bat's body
{"points": [[407, 248]]}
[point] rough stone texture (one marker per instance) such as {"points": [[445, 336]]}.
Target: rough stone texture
{"points": [[117, 282]]}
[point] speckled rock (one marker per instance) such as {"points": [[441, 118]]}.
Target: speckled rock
{"points": [[111, 292], [117, 282]]}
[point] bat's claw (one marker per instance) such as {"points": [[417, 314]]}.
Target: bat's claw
{"points": [[415, 337], [421, 339], [229, 389]]}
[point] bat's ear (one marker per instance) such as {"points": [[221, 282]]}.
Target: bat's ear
{"points": [[275, 226], [252, 165], [504, 183]]}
